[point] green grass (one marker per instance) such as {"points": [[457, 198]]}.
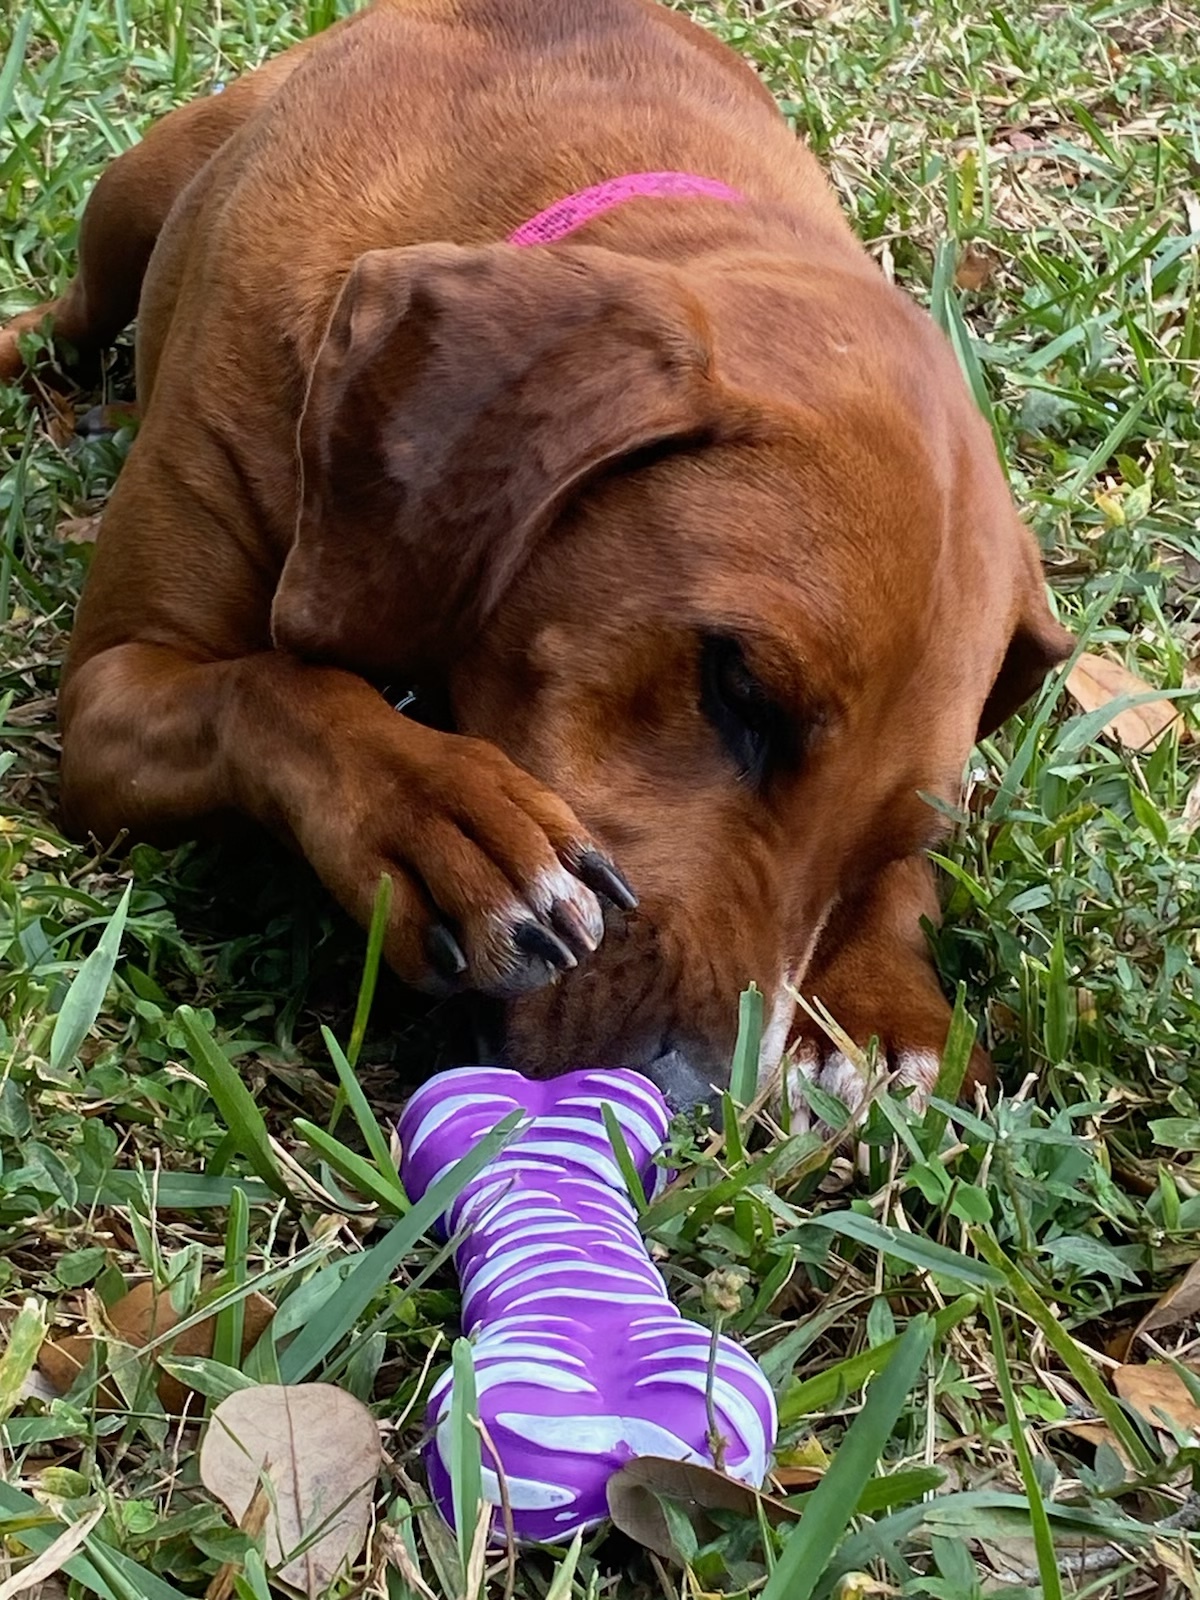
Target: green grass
{"points": [[1058, 147]]}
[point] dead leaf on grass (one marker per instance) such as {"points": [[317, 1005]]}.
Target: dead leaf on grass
{"points": [[633, 1501], [59, 418], [78, 530], [1158, 1388], [976, 267], [793, 1480], [320, 1448], [138, 1318], [1177, 1559], [1096, 1434], [1096, 681], [1191, 808], [1181, 1303]]}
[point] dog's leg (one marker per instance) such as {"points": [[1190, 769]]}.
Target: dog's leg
{"points": [[125, 214], [496, 885], [872, 970]]}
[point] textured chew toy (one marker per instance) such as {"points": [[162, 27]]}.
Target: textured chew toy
{"points": [[581, 1361]]}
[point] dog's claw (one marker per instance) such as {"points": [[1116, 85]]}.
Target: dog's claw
{"points": [[604, 878], [569, 921], [532, 939], [445, 953]]}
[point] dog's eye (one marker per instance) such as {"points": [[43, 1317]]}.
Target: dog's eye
{"points": [[750, 723]]}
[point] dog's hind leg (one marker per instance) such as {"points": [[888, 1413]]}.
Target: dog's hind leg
{"points": [[126, 212]]}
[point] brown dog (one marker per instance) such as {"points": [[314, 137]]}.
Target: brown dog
{"points": [[687, 518]]}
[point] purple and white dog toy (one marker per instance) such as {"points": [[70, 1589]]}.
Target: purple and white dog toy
{"points": [[582, 1363]]}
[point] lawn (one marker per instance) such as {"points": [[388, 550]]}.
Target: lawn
{"points": [[992, 1289]]}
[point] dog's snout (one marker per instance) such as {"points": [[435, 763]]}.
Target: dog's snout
{"points": [[683, 1083]]}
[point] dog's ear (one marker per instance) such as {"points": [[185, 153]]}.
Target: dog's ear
{"points": [[1036, 645], [460, 396]]}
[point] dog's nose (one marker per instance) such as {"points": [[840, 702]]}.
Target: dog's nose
{"points": [[683, 1083]]}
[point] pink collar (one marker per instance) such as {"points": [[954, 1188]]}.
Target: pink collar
{"points": [[565, 215]]}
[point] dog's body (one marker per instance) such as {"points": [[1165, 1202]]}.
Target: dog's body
{"points": [[688, 518]]}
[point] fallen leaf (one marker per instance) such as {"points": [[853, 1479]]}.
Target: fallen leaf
{"points": [[78, 530], [1095, 681], [1181, 1303], [1176, 1558], [139, 1317], [59, 417], [1096, 1434], [1158, 1388], [976, 267], [793, 1479], [634, 1506], [1017, 139], [320, 1448], [1191, 808]]}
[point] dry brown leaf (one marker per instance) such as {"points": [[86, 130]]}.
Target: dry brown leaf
{"points": [[697, 1490], [1181, 1303], [59, 418], [1157, 1387], [1095, 681], [78, 530], [1176, 1558], [1096, 1434], [794, 1479], [976, 267], [320, 1448], [136, 1319]]}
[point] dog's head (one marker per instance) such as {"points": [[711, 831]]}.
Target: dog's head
{"points": [[726, 559]]}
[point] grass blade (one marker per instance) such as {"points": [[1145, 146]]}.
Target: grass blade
{"points": [[233, 1100], [624, 1160], [175, 1191], [909, 1247], [743, 1074], [83, 1000], [466, 1451], [377, 1142], [829, 1387], [25, 1336], [1043, 1539], [230, 1325], [380, 913], [99, 1568], [13, 61], [812, 1545], [1061, 1342], [361, 1174], [564, 1573], [956, 1058]]}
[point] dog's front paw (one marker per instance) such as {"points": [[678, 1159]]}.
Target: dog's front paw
{"points": [[907, 1017], [496, 886]]}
